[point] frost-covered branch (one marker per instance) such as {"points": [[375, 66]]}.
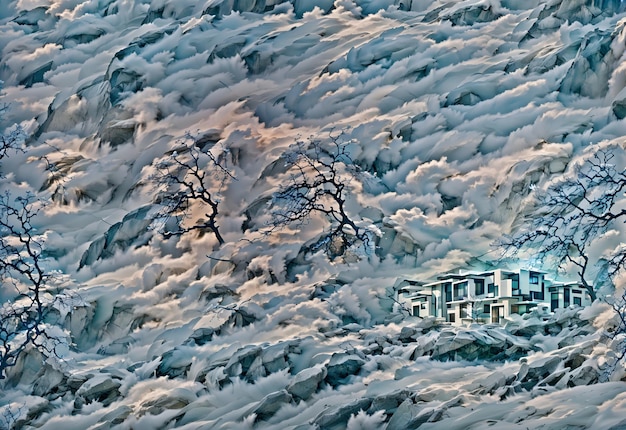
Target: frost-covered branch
{"points": [[23, 276], [10, 141], [571, 213], [192, 176], [11, 415], [27, 287], [397, 304], [319, 183]]}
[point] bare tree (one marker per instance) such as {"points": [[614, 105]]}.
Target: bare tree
{"points": [[24, 281], [574, 211], [23, 276], [191, 175], [319, 182]]}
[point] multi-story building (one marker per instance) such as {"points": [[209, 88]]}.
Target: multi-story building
{"points": [[487, 296]]}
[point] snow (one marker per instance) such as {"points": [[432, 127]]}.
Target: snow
{"points": [[454, 112]]}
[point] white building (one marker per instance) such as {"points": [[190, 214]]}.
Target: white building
{"points": [[563, 295], [487, 296]]}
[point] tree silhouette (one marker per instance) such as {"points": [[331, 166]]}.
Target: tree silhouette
{"points": [[21, 321], [24, 280], [191, 175], [319, 182]]}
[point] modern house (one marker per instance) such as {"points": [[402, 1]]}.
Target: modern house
{"points": [[487, 296]]}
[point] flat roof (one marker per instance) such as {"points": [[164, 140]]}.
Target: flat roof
{"points": [[460, 276]]}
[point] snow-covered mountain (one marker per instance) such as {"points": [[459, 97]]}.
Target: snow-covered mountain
{"points": [[453, 112]]}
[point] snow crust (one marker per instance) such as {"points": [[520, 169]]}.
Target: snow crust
{"points": [[454, 111]]}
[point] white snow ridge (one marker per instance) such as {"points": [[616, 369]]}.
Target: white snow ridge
{"points": [[225, 192]]}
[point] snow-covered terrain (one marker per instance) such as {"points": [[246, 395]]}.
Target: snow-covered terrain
{"points": [[454, 111]]}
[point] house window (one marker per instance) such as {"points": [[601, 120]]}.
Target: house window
{"points": [[534, 279], [566, 294], [577, 291], [461, 290], [578, 301], [416, 311], [452, 317], [537, 295], [479, 286], [464, 311], [486, 309], [491, 289], [554, 301], [448, 288], [423, 305]]}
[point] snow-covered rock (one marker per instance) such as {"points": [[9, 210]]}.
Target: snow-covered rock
{"points": [[453, 112], [341, 366], [306, 382]]}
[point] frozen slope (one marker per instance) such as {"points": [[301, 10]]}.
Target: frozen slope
{"points": [[453, 110]]}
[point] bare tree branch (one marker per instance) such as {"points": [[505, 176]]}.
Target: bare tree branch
{"points": [[189, 176], [574, 211], [23, 277], [22, 274], [319, 182]]}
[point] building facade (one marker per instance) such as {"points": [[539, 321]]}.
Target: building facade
{"points": [[487, 296]]}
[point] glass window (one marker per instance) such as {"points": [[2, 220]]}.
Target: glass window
{"points": [[554, 301], [464, 311], [461, 290], [534, 279], [566, 293], [578, 301], [486, 309], [479, 286]]}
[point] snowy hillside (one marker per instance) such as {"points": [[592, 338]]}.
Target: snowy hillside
{"points": [[449, 113]]}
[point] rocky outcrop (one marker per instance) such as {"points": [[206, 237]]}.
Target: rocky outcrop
{"points": [[454, 112], [409, 416], [306, 382], [131, 231], [100, 388], [269, 405], [342, 366]]}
